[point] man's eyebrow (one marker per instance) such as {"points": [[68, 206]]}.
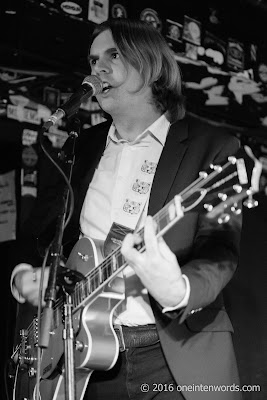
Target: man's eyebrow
{"points": [[108, 51], [91, 57]]}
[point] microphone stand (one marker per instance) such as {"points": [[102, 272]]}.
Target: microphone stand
{"points": [[51, 291]]}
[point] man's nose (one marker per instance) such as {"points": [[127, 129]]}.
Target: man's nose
{"points": [[102, 66]]}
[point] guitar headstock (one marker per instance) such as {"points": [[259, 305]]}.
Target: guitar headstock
{"points": [[219, 192]]}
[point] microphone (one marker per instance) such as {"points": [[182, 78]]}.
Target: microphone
{"points": [[90, 86]]}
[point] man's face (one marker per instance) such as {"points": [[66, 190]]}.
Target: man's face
{"points": [[120, 80]]}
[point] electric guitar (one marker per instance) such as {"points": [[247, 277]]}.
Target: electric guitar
{"points": [[217, 192]]}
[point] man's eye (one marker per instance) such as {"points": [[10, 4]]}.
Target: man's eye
{"points": [[92, 62], [115, 55]]}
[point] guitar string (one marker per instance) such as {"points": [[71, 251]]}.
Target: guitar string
{"points": [[94, 277], [59, 302], [97, 273], [185, 194]]}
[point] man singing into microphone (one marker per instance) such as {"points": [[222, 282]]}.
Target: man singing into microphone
{"points": [[172, 328]]}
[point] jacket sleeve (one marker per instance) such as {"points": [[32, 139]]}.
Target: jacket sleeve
{"points": [[214, 255]]}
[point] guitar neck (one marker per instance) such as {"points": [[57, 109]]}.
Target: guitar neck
{"points": [[168, 216]]}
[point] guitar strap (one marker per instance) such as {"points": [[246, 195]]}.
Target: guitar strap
{"points": [[115, 237], [128, 215]]}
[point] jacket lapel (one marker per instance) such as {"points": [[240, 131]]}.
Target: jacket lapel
{"points": [[96, 152], [169, 163], [91, 150]]}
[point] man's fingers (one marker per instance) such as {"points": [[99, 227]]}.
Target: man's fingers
{"points": [[151, 240], [165, 251], [132, 256]]}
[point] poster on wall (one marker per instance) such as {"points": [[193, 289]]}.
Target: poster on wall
{"points": [[174, 35], [192, 31], [118, 11], [213, 50], [98, 11], [8, 212], [30, 158], [235, 55], [151, 17], [174, 30]]}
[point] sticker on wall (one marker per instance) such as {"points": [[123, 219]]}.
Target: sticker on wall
{"points": [[174, 30], [191, 51], [253, 52], [262, 73], [151, 16], [118, 11], [98, 11], [213, 50], [51, 97], [56, 136], [8, 212], [235, 55], [72, 8], [29, 156], [192, 31], [23, 114], [29, 137], [174, 35], [28, 183]]}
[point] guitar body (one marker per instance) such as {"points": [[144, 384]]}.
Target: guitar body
{"points": [[96, 342]]}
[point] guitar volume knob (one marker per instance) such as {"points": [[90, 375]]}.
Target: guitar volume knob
{"points": [[250, 202], [224, 218], [79, 346], [84, 257], [32, 372]]}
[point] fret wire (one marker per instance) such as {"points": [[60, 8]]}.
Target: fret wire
{"points": [[81, 290], [73, 298], [86, 291], [84, 288], [79, 295], [90, 284], [162, 218], [108, 265], [55, 319], [76, 296]]}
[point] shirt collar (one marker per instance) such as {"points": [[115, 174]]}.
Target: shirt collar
{"points": [[158, 129]]}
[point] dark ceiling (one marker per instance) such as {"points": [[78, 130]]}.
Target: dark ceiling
{"points": [[38, 36], [35, 35]]}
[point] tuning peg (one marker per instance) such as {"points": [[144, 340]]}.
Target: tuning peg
{"points": [[224, 218], [203, 174], [237, 188], [208, 207], [235, 209], [222, 196], [217, 168], [232, 159], [23, 333], [250, 202], [32, 372]]}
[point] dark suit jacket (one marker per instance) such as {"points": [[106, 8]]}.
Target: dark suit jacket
{"points": [[196, 340]]}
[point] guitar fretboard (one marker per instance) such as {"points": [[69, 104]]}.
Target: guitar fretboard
{"points": [[97, 278]]}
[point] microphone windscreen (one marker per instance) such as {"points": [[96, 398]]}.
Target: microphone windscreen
{"points": [[94, 82]]}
